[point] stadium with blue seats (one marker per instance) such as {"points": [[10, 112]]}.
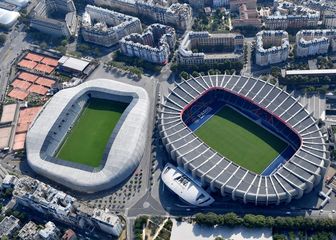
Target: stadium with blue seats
{"points": [[192, 125]]}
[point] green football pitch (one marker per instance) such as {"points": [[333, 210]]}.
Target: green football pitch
{"points": [[241, 140], [87, 140]]}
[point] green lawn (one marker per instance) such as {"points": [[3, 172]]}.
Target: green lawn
{"points": [[87, 140], [241, 140]]}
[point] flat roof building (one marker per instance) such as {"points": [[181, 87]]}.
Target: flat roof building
{"points": [[8, 226], [8, 18], [73, 64], [55, 17]]}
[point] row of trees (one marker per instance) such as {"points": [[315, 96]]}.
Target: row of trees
{"points": [[259, 221], [196, 70], [139, 224], [136, 62]]}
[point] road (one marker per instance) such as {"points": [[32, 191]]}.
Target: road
{"points": [[12, 48]]}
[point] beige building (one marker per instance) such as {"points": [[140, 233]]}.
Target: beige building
{"points": [[105, 27], [168, 13], [206, 48], [315, 42], [272, 47]]}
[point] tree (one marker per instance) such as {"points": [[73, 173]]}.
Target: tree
{"points": [[279, 237], [195, 74], [231, 220], [184, 75], [276, 72], [3, 38], [64, 42]]}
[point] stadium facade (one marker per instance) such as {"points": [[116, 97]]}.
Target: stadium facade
{"points": [[123, 151], [290, 176]]}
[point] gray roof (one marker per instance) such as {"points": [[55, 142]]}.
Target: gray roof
{"points": [[291, 180], [123, 151]]}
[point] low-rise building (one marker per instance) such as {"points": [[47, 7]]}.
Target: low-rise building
{"points": [[235, 4], [69, 235], [154, 45], [29, 231], [315, 42], [205, 48], [271, 47], [9, 181], [108, 222], [55, 17], [248, 17], [50, 202], [8, 226], [45, 199], [49, 232], [105, 27]]}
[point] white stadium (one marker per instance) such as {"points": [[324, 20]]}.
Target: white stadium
{"points": [[123, 151]]}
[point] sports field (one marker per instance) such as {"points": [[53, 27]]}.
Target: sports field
{"points": [[241, 140], [87, 140]]}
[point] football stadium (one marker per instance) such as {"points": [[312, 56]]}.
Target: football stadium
{"points": [[91, 137], [243, 137]]}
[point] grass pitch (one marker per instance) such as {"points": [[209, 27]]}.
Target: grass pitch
{"points": [[241, 140], [87, 140]]}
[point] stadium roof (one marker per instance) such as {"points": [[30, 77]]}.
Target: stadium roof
{"points": [[123, 151], [288, 181]]}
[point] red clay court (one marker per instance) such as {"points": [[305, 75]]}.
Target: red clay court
{"points": [[34, 57], [19, 141], [45, 82], [39, 63], [28, 77], [23, 85], [27, 115], [50, 61], [18, 94], [38, 89], [44, 68], [27, 64]]}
